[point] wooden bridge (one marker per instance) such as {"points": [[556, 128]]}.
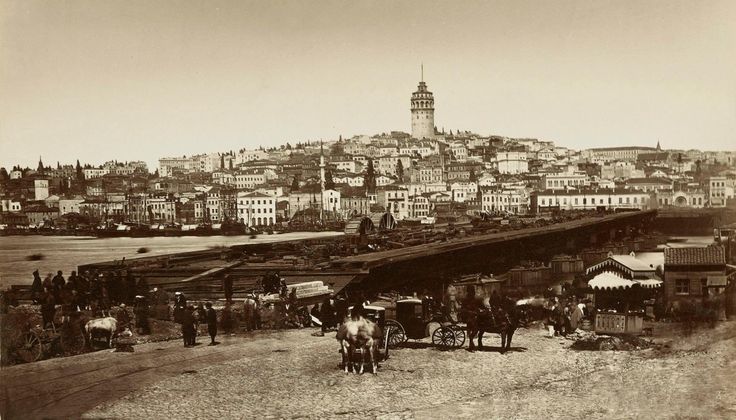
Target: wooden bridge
{"points": [[200, 273]]}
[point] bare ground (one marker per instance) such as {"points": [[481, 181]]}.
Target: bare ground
{"points": [[292, 374]]}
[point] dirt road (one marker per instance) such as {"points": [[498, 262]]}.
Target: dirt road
{"points": [[293, 374]]}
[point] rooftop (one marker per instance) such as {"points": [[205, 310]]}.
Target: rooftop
{"points": [[709, 255]]}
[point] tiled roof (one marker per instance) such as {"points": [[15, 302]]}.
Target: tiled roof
{"points": [[712, 254]]}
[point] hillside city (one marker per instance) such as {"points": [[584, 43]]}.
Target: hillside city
{"points": [[425, 176]]}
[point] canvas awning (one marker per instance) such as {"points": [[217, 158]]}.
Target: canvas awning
{"points": [[649, 283], [717, 281], [610, 281]]}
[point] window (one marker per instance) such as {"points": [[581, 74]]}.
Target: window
{"points": [[704, 286], [682, 286]]}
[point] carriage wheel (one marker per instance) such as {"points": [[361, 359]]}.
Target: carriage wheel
{"points": [[459, 335], [396, 333], [443, 337], [30, 349]]}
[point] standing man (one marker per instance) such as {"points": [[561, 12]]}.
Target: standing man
{"points": [[211, 323], [188, 330], [180, 306], [58, 283], [36, 287]]}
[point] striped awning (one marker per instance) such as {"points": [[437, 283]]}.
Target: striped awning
{"points": [[609, 281], [649, 283]]}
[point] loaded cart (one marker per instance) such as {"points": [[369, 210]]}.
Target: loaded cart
{"points": [[38, 343], [282, 309]]}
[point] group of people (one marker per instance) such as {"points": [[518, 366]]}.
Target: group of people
{"points": [[567, 316], [93, 291], [191, 318]]}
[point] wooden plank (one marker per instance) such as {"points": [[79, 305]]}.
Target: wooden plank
{"points": [[212, 271]]}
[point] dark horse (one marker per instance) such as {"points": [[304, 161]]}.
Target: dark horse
{"points": [[502, 319]]}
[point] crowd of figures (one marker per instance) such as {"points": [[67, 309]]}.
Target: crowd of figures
{"points": [[90, 291], [190, 318]]}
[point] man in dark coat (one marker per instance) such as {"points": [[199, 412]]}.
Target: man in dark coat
{"points": [[36, 287], [58, 283], [211, 323], [180, 306], [188, 330], [48, 308]]}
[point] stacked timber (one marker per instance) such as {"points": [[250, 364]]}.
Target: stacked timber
{"points": [[307, 291]]}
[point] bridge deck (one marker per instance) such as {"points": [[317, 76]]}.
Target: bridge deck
{"points": [[401, 254]]}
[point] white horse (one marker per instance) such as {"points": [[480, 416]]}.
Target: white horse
{"points": [[357, 332]]}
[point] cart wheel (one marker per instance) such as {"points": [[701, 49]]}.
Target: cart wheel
{"points": [[443, 337], [72, 341], [396, 333], [459, 335], [30, 349]]}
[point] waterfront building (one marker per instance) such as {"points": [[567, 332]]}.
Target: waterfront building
{"points": [[395, 200], [256, 209], [511, 200], [588, 199], [689, 272]]}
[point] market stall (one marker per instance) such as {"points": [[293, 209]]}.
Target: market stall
{"points": [[621, 303]]}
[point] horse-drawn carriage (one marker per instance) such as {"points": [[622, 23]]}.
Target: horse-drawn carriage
{"points": [[417, 319]]}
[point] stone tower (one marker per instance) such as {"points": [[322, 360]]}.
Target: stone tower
{"points": [[422, 112]]}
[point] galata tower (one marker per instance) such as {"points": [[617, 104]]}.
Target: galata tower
{"points": [[422, 112]]}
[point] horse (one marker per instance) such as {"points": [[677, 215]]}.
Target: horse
{"points": [[498, 319], [357, 332]]}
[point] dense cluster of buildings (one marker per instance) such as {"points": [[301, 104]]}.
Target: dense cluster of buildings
{"points": [[424, 175]]}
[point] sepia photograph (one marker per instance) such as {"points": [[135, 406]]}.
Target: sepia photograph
{"points": [[342, 209]]}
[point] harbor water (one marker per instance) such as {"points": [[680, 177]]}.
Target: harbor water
{"points": [[66, 253]]}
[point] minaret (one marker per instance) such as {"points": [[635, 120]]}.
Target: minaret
{"points": [[422, 111], [321, 181]]}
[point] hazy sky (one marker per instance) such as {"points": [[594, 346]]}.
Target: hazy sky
{"points": [[98, 80]]}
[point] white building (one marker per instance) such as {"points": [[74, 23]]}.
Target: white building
{"points": [[589, 199], [244, 156], [348, 165], [40, 189], [463, 191], [10, 205], [512, 162], [720, 190], [69, 205], [395, 200], [250, 178], [565, 180], [92, 173], [168, 165], [256, 209], [505, 200]]}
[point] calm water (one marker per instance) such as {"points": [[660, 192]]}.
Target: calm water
{"points": [[67, 252]]}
